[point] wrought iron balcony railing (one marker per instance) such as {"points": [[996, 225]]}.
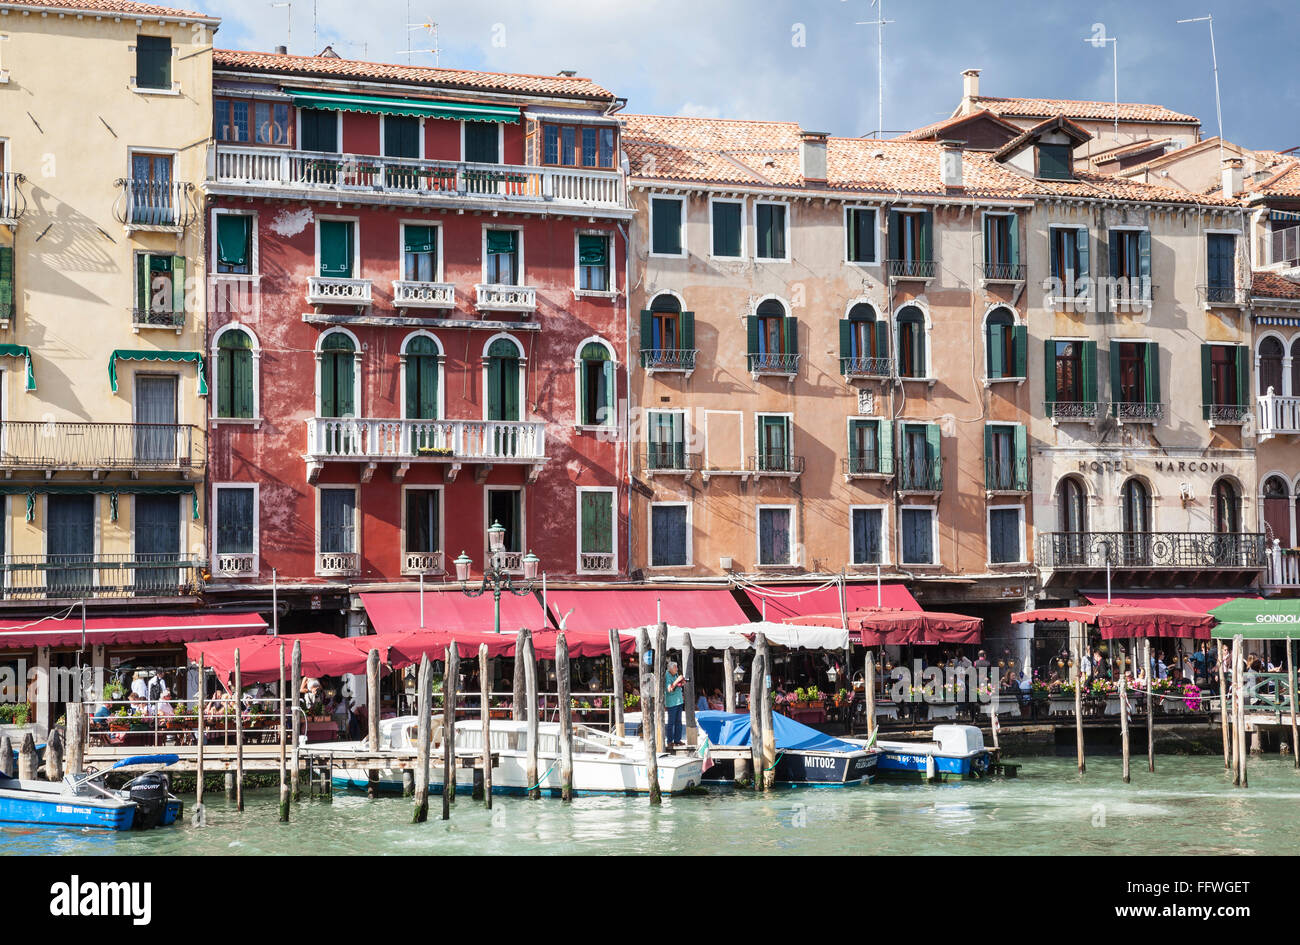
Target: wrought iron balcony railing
{"points": [[869, 464], [911, 268], [668, 359], [13, 202], [1067, 410], [866, 367], [1004, 272], [1225, 295], [920, 474], [787, 364], [669, 458], [147, 203], [776, 463], [157, 318], [1166, 550], [1137, 412], [1228, 414], [71, 577], [1002, 475], [29, 444]]}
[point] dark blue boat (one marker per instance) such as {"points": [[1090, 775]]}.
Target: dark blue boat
{"points": [[805, 757]]}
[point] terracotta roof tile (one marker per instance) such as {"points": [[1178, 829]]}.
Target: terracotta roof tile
{"points": [[721, 152], [330, 67], [1047, 107], [1283, 181], [113, 7], [1272, 285], [1124, 150], [936, 128]]}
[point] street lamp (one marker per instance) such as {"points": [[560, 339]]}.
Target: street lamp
{"points": [[495, 576]]}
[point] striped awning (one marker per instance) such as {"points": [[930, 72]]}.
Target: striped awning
{"points": [[415, 108]]}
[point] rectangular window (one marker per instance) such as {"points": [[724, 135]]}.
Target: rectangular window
{"points": [[338, 521], [1225, 382], [773, 443], [1004, 536], [1001, 247], [590, 150], [775, 536], [669, 536], [595, 527], [578, 145], [870, 447], [502, 257], [593, 262], [1069, 371], [666, 226], [337, 247], [153, 201], [160, 290], [153, 62], [401, 136], [769, 230], [727, 228], [860, 231], [918, 535], [1130, 265], [921, 456], [1055, 162], [419, 253], [482, 142], [1070, 379], [1135, 372], [911, 242], [236, 520], [868, 533], [423, 521], [1006, 465], [241, 120], [234, 243], [505, 506], [320, 130], [1069, 250], [1221, 266], [667, 435]]}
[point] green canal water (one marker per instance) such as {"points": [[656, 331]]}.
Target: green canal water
{"points": [[1188, 807]]}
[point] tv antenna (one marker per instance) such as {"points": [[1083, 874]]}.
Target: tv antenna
{"points": [[1098, 40], [1214, 59], [432, 29], [879, 23], [288, 40]]}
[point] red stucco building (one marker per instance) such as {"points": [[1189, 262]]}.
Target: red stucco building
{"points": [[418, 326]]}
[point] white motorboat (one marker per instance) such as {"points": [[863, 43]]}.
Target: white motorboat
{"points": [[602, 763]]}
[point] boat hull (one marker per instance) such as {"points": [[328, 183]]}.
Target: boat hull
{"points": [[900, 763], [796, 769], [41, 809]]}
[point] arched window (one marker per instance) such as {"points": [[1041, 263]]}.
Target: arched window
{"points": [[1135, 508], [1277, 511], [1271, 353], [772, 339], [338, 375], [1072, 520], [865, 340], [235, 381], [1000, 344], [503, 370], [595, 385], [911, 342], [1295, 368], [771, 327], [667, 335], [1227, 508], [423, 381]]}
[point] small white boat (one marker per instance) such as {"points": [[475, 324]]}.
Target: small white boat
{"points": [[955, 753], [602, 763]]}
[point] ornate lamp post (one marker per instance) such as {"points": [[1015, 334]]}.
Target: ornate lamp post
{"points": [[495, 576]]}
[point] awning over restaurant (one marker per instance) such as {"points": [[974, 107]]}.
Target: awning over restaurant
{"points": [[1256, 619], [1192, 603], [741, 636], [451, 610], [782, 602], [623, 609], [885, 627], [259, 656], [118, 631], [417, 108], [407, 647], [1123, 621]]}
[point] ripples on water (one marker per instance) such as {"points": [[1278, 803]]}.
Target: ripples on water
{"points": [[1187, 807]]}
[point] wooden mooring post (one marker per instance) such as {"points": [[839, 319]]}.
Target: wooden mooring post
{"points": [[296, 717], [450, 693], [485, 717], [519, 708], [1242, 754], [372, 719], [1151, 727], [7, 756], [769, 731], [239, 736], [422, 740], [566, 715], [75, 759], [616, 673], [688, 701], [756, 672], [1078, 713], [28, 760], [660, 666], [284, 784], [1290, 684], [530, 680], [869, 690], [1123, 723], [1236, 706], [448, 720], [54, 756], [649, 715], [1223, 708], [200, 739]]}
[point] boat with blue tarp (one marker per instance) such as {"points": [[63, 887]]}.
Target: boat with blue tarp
{"points": [[82, 800], [805, 757]]}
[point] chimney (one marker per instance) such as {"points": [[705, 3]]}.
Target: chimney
{"points": [[1232, 181], [950, 163], [282, 50], [812, 155], [970, 86]]}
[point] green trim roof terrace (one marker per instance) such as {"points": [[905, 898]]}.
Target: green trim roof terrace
{"points": [[416, 108]]}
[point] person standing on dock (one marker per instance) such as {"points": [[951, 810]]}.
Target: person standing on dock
{"points": [[675, 703]]}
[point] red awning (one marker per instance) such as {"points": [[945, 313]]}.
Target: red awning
{"points": [[877, 627], [451, 610], [259, 657], [1192, 603], [407, 647], [1121, 621], [119, 631], [826, 600], [623, 609], [582, 643]]}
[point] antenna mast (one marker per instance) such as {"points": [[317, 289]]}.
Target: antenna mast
{"points": [[432, 27], [1214, 59], [288, 40], [1099, 39], [879, 23]]}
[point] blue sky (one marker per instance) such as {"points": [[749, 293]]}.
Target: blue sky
{"points": [[808, 61]]}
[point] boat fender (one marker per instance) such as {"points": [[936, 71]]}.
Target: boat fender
{"points": [[930, 769]]}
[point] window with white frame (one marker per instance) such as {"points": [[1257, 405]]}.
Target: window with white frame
{"points": [[596, 385], [670, 535], [159, 290], [593, 262], [236, 234], [236, 374], [421, 253], [776, 536], [422, 532], [917, 525], [596, 529], [1006, 534], [235, 530], [336, 531], [501, 257], [868, 524]]}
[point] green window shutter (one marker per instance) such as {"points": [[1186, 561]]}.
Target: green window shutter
{"points": [[500, 242], [6, 281], [846, 342], [328, 387], [503, 388], [1116, 394], [1021, 437], [1081, 248], [895, 235], [994, 341], [882, 339], [1049, 371], [647, 329], [988, 240], [242, 395], [791, 328], [597, 523], [885, 445], [420, 239], [178, 285], [1090, 372], [1013, 231], [1020, 350], [1114, 253], [143, 278], [933, 452], [593, 250], [686, 330], [927, 236], [225, 382], [336, 249], [666, 236], [988, 448], [1207, 381], [233, 237], [1152, 357], [1243, 375], [153, 62], [346, 392], [751, 334], [494, 398], [855, 242]]}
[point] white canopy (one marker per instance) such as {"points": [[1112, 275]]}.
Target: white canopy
{"points": [[740, 636]]}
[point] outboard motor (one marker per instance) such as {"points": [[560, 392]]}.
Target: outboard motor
{"points": [[150, 792]]}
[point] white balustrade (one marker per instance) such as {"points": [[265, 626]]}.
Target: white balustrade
{"points": [[340, 563], [506, 298], [409, 440], [1277, 414], [422, 562], [235, 565], [324, 290], [407, 294]]}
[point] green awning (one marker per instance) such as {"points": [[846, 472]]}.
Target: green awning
{"points": [[123, 354], [379, 105], [30, 489], [1256, 619], [593, 250], [21, 351]]}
